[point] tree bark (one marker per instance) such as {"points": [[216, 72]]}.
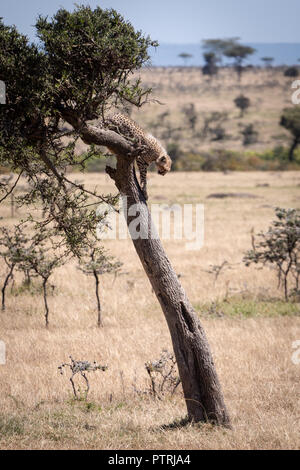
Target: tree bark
{"points": [[45, 302], [201, 387], [6, 281], [99, 322]]}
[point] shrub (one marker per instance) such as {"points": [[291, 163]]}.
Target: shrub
{"points": [[249, 135], [243, 103], [81, 368], [279, 247], [291, 72]]}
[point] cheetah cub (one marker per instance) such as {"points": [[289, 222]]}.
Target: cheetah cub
{"points": [[150, 149]]}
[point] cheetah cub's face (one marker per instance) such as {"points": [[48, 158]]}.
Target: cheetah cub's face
{"points": [[163, 164]]}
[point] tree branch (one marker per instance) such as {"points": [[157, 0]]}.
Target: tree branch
{"points": [[12, 188], [91, 134]]}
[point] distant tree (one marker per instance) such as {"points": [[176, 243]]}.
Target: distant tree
{"points": [[185, 57], [290, 119], [210, 68], [268, 61], [174, 151], [291, 72], [239, 53], [218, 46], [190, 114], [243, 103], [215, 117], [249, 135], [99, 263], [218, 133]]}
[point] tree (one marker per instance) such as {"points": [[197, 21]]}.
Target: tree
{"points": [[191, 115], [216, 117], [268, 61], [29, 254], [239, 53], [43, 264], [99, 263], [279, 246], [185, 57], [210, 68], [290, 119], [13, 243], [230, 48], [249, 134], [82, 70], [291, 72], [243, 103], [218, 46]]}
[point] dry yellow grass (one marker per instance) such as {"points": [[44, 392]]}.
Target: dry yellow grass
{"points": [[253, 355]]}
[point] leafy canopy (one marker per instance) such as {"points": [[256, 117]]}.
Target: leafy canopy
{"points": [[83, 64], [81, 68]]}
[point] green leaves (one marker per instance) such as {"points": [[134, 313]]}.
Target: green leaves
{"points": [[91, 54], [81, 68], [83, 64]]}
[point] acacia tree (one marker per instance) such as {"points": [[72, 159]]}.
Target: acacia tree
{"points": [[82, 69], [243, 103], [185, 56], [43, 262], [279, 247], [210, 68], [239, 53], [290, 119], [13, 244], [97, 263], [218, 46], [268, 61], [29, 254]]}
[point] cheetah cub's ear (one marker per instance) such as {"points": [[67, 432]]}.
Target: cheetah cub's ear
{"points": [[163, 164]]}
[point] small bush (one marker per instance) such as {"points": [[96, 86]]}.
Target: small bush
{"points": [[243, 103], [279, 247], [249, 135], [291, 72]]}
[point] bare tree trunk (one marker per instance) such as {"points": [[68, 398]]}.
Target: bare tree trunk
{"points": [[200, 383], [9, 275], [99, 323], [45, 302], [12, 205]]}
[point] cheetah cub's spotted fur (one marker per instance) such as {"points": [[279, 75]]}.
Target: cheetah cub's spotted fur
{"points": [[150, 149]]}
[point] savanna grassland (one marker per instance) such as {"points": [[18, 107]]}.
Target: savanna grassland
{"points": [[268, 90], [250, 328], [197, 120]]}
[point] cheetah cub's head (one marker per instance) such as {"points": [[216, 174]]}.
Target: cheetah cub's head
{"points": [[163, 164]]}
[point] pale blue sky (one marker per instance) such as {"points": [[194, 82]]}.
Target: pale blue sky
{"points": [[181, 21]]}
